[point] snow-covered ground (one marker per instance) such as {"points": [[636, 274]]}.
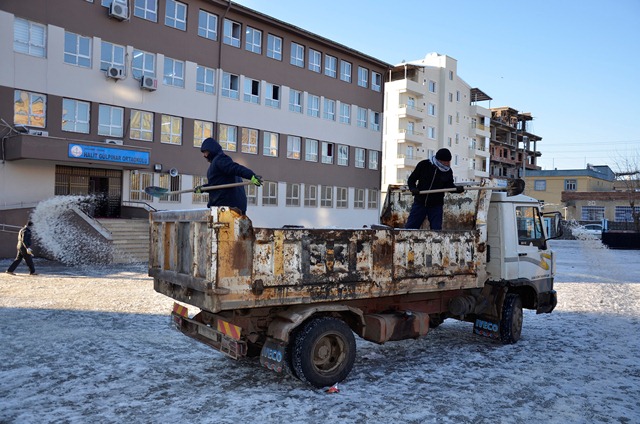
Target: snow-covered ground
{"points": [[81, 344]]}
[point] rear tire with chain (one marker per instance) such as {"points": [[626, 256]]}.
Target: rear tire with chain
{"points": [[511, 322], [323, 351]]}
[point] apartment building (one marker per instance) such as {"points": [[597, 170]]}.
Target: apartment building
{"points": [[108, 97], [513, 144], [427, 107]]}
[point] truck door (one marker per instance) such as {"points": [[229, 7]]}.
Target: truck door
{"points": [[532, 260]]}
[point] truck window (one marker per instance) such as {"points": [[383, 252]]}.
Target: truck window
{"points": [[529, 224]]}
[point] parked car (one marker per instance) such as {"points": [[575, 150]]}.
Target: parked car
{"points": [[590, 229]]}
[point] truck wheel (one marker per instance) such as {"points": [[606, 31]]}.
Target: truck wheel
{"points": [[323, 352], [511, 322]]}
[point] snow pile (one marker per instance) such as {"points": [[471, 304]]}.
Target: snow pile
{"points": [[56, 231]]}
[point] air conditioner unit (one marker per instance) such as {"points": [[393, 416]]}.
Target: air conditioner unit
{"points": [[111, 141], [119, 10], [115, 73], [38, 132], [148, 83]]}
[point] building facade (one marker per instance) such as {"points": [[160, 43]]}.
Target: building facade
{"points": [[428, 107], [108, 97]]}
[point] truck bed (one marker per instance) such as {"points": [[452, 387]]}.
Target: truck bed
{"points": [[216, 260]]}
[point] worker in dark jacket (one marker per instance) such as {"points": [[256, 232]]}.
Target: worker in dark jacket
{"points": [[430, 175], [24, 251], [223, 170]]}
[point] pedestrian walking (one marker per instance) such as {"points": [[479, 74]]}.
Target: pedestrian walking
{"points": [[24, 251]]}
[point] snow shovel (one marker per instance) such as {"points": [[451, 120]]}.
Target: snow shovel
{"points": [[160, 191], [513, 188]]}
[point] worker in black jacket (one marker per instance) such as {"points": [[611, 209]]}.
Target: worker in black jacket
{"points": [[24, 251], [430, 175]]}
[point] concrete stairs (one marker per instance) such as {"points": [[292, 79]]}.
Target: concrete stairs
{"points": [[130, 239]]}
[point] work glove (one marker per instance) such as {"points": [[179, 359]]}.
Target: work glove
{"points": [[29, 251], [198, 189], [256, 180], [415, 191], [459, 189]]}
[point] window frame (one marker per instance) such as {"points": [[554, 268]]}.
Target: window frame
{"points": [[114, 126], [138, 130], [146, 9], [77, 120], [294, 147], [314, 60], [77, 57], [173, 72], [249, 138], [297, 54], [175, 15], [270, 142], [228, 137], [274, 47], [201, 131], [207, 29], [205, 79], [111, 61], [330, 66], [250, 43], [232, 33], [311, 150], [26, 41], [230, 86], [174, 134]]}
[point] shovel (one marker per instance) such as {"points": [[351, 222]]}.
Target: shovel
{"points": [[513, 188], [160, 191]]}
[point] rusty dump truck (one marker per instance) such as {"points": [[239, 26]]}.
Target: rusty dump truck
{"points": [[296, 296]]}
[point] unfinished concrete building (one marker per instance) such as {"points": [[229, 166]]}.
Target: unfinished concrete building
{"points": [[513, 145]]}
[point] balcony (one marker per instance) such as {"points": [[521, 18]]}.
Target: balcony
{"points": [[409, 136], [407, 161], [480, 129], [408, 111], [408, 86]]}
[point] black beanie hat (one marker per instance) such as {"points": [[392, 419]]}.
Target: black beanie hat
{"points": [[443, 154]]}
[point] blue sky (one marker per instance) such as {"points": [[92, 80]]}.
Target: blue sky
{"points": [[575, 65]]}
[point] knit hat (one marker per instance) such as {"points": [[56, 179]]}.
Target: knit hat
{"points": [[443, 154]]}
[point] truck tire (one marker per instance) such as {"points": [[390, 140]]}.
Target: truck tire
{"points": [[324, 351], [511, 322]]}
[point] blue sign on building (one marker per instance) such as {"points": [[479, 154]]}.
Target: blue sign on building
{"points": [[108, 154]]}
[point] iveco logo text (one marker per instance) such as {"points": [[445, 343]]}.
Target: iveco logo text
{"points": [[272, 354], [485, 325]]}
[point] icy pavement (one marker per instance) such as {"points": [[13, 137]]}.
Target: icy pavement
{"points": [[80, 345]]}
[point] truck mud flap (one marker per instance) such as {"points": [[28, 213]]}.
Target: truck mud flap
{"points": [[233, 348], [273, 354]]}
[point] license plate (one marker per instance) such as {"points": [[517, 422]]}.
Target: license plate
{"points": [[272, 356]]}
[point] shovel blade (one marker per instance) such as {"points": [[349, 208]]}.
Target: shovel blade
{"points": [[156, 191]]}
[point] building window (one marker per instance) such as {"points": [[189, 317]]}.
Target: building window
{"points": [[270, 144], [270, 194], [252, 194], [358, 198], [29, 38], [311, 150], [30, 109], [252, 91], [363, 77], [540, 185], [205, 79], [373, 159], [330, 66], [327, 152], [201, 131], [342, 197], [293, 147], [274, 47], [293, 194], [253, 40], [75, 116], [295, 101], [228, 137], [272, 96], [110, 121], [457, 96], [362, 117], [230, 85], [450, 75], [359, 157], [111, 55], [176, 15], [249, 141], [375, 121], [343, 155], [141, 125], [431, 133], [625, 213], [376, 81], [77, 50], [431, 109], [345, 113], [592, 213], [313, 106], [171, 132], [231, 35], [208, 25], [315, 61], [570, 185], [143, 64], [310, 196], [326, 196], [345, 71], [199, 197], [172, 184], [297, 55], [146, 9], [329, 111], [432, 87], [450, 119], [450, 97], [137, 183], [173, 72], [373, 199]]}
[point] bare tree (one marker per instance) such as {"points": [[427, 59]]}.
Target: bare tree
{"points": [[628, 179]]}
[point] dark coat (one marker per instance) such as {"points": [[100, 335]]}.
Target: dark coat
{"points": [[24, 238], [223, 170], [429, 177]]}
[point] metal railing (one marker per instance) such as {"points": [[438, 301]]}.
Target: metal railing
{"points": [[138, 204], [6, 228]]}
